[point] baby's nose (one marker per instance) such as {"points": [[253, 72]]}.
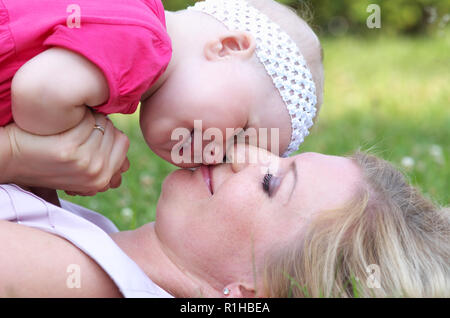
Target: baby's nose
{"points": [[242, 155]]}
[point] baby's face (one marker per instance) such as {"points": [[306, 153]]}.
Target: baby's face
{"points": [[211, 101]]}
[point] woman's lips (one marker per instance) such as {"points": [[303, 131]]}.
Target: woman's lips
{"points": [[207, 176]]}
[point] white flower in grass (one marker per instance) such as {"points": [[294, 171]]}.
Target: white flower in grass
{"points": [[127, 214], [407, 162], [437, 153], [146, 180], [435, 150]]}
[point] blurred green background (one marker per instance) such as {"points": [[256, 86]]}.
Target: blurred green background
{"points": [[386, 89]]}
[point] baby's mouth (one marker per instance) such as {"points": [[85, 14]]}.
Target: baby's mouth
{"points": [[186, 144]]}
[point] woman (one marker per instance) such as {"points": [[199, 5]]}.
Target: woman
{"points": [[309, 225]]}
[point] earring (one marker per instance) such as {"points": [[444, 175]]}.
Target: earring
{"points": [[226, 291]]}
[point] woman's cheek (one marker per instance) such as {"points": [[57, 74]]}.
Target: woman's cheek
{"points": [[239, 210]]}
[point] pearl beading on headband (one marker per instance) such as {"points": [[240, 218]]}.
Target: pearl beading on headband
{"points": [[280, 56]]}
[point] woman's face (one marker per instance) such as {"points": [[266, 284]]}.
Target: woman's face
{"points": [[227, 231]]}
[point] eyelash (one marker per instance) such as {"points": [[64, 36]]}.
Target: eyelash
{"points": [[266, 183]]}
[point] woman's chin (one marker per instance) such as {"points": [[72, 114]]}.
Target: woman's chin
{"points": [[176, 201], [170, 185], [178, 188]]}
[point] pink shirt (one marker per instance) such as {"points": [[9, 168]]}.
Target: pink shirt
{"points": [[127, 40]]}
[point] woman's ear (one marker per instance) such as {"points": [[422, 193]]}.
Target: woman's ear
{"points": [[233, 44], [240, 290]]}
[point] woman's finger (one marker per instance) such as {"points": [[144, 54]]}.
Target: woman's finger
{"points": [[125, 166], [97, 134], [119, 152], [107, 142], [116, 181], [96, 151]]}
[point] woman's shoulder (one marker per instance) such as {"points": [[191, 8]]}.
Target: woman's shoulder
{"points": [[83, 228]]}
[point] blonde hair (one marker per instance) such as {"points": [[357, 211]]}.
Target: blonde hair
{"points": [[301, 34], [390, 224]]}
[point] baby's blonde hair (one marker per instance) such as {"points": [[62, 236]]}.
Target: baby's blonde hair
{"points": [[389, 224], [301, 34]]}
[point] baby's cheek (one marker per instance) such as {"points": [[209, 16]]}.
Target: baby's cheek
{"points": [[151, 132], [272, 140]]}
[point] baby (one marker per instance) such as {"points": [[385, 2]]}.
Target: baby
{"points": [[228, 69], [220, 65]]}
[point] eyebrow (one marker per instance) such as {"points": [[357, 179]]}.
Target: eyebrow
{"points": [[293, 167]]}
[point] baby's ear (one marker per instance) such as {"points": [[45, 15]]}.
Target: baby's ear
{"points": [[232, 44]]}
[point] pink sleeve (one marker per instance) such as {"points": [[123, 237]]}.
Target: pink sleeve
{"points": [[132, 57]]}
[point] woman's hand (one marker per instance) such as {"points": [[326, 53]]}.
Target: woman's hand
{"points": [[80, 161]]}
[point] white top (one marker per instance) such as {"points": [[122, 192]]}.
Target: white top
{"points": [[85, 229]]}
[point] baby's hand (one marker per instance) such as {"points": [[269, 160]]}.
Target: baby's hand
{"points": [[80, 161]]}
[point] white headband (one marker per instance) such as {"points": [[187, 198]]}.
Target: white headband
{"points": [[280, 56]]}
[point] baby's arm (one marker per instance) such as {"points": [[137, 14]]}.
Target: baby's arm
{"points": [[50, 92]]}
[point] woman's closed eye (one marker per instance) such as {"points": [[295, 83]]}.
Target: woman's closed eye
{"points": [[270, 184]]}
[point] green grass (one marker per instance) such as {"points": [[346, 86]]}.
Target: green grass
{"points": [[389, 94]]}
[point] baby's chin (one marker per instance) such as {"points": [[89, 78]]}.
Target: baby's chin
{"points": [[166, 155], [194, 165], [189, 163]]}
